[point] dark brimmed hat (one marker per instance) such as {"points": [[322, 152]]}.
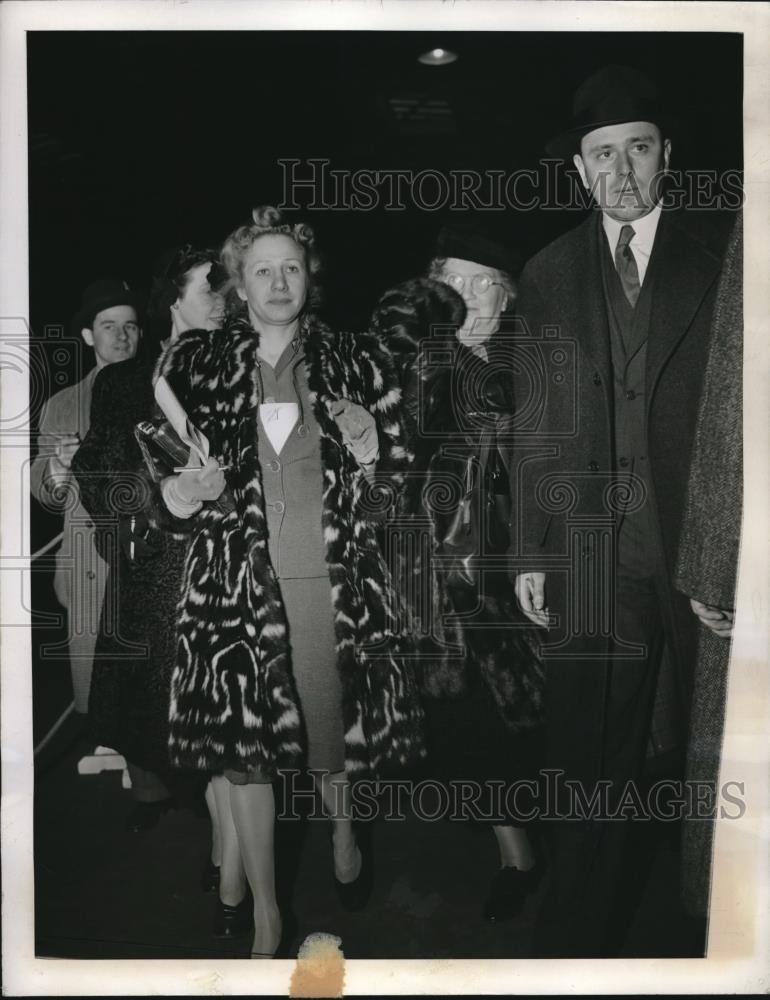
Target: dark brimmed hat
{"points": [[612, 96], [466, 243], [100, 295]]}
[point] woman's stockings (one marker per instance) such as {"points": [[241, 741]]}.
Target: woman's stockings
{"points": [[232, 877], [515, 848], [253, 811], [216, 834], [335, 792]]}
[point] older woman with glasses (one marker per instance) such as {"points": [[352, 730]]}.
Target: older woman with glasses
{"points": [[481, 674]]}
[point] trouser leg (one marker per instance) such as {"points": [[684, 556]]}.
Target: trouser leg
{"points": [[586, 876]]}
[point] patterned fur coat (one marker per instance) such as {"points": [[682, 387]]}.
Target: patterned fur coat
{"points": [[233, 699], [476, 631]]}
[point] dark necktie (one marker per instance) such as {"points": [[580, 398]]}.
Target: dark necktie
{"points": [[625, 264]]}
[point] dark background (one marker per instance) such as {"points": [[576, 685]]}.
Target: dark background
{"points": [[141, 139]]}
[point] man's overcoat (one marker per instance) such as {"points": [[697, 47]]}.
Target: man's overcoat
{"points": [[565, 472]]}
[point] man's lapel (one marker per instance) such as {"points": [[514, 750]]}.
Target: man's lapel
{"points": [[684, 270], [582, 298]]}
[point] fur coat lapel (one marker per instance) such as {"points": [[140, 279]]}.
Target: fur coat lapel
{"points": [[233, 698]]}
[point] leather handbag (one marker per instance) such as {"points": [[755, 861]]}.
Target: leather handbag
{"points": [[480, 524]]}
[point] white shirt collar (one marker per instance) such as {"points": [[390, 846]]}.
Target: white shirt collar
{"points": [[644, 236]]}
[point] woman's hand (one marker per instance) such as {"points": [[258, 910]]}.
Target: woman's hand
{"points": [[184, 493], [205, 482], [358, 429]]}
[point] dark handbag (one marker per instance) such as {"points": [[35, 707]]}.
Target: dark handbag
{"points": [[164, 451], [480, 524]]}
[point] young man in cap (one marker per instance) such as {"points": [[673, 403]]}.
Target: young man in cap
{"points": [[633, 289], [108, 321]]}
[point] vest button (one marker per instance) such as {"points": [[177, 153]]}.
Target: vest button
{"points": [[623, 462], [269, 399], [278, 506], [274, 465], [91, 575], [597, 378], [593, 466], [630, 394]]}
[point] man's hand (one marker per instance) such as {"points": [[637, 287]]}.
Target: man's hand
{"points": [[60, 461], [205, 482], [718, 620], [530, 593], [359, 431]]}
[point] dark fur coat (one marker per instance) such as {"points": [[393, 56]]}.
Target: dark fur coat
{"points": [[233, 698], [457, 404], [135, 654]]}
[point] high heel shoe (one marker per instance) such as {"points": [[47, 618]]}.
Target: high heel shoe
{"points": [[234, 921], [354, 896], [510, 888], [288, 932]]}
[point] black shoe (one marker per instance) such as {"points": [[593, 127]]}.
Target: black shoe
{"points": [[510, 887], [210, 877], [234, 921], [355, 895], [146, 815]]}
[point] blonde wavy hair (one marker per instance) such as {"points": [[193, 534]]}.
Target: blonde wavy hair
{"points": [[268, 221]]}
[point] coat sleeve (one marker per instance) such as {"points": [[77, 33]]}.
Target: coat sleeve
{"points": [[197, 360], [108, 464], [408, 321], [53, 422], [531, 538]]}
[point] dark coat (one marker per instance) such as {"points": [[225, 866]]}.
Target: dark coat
{"points": [[708, 554], [458, 407], [564, 467], [233, 698], [135, 651]]}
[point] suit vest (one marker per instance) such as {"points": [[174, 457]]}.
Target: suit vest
{"points": [[629, 332]]}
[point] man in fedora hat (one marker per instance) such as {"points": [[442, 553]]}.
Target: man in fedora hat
{"points": [[108, 321], [603, 481]]}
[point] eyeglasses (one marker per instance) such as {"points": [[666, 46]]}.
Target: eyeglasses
{"points": [[480, 283]]}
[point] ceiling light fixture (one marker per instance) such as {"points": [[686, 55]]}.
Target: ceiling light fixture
{"points": [[437, 57]]}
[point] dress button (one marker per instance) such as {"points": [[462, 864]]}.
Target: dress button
{"points": [[279, 506], [630, 394], [89, 524], [623, 462], [91, 575], [593, 466], [597, 378]]}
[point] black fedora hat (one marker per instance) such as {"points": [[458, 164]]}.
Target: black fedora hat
{"points": [[466, 242], [611, 96], [100, 295]]}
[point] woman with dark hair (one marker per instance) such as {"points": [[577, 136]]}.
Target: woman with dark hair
{"points": [[289, 649], [480, 671], [129, 691]]}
